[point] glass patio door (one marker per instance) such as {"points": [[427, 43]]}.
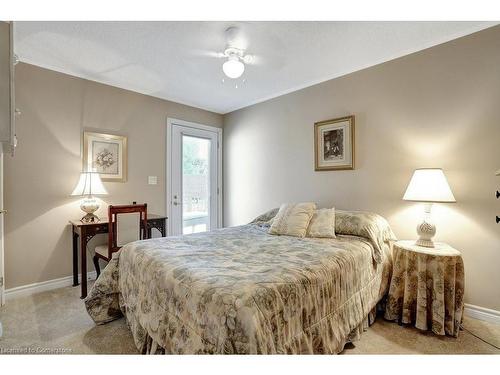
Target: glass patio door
{"points": [[194, 185]]}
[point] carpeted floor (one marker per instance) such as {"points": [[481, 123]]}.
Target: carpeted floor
{"points": [[56, 322]]}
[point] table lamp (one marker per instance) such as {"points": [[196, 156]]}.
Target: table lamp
{"points": [[90, 184], [428, 185]]}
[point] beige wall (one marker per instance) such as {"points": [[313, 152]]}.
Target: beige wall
{"points": [[436, 108], [38, 180]]}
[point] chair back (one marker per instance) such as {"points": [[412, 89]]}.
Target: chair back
{"points": [[127, 223]]}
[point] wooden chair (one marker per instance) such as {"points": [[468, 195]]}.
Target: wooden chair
{"points": [[127, 223]]}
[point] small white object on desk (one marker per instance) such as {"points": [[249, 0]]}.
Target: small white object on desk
{"points": [[428, 185]]}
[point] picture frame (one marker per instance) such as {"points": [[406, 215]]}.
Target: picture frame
{"points": [[334, 144], [105, 154]]}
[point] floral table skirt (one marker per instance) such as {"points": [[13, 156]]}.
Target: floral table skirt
{"points": [[427, 290]]}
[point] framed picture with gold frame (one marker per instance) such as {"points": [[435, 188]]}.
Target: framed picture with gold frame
{"points": [[105, 154], [334, 144]]}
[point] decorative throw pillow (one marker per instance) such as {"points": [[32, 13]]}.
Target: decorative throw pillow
{"points": [[322, 223], [265, 218], [365, 224], [293, 219]]}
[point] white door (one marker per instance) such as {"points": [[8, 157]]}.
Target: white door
{"points": [[193, 179]]}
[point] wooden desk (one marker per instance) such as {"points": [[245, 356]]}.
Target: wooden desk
{"points": [[86, 231]]}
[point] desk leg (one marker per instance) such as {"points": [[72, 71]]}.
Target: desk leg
{"points": [[75, 259], [163, 228], [83, 265]]}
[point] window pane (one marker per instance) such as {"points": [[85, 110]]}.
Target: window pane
{"points": [[195, 184]]}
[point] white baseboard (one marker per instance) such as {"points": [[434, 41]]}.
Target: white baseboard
{"points": [[482, 313], [27, 290]]}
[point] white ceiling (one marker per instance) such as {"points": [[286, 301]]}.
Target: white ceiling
{"points": [[169, 60]]}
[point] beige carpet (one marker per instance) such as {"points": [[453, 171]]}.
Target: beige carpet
{"points": [[56, 321]]}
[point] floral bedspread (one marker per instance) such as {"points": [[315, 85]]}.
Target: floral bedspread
{"points": [[241, 290]]}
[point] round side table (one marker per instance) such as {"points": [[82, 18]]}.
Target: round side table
{"points": [[427, 287]]}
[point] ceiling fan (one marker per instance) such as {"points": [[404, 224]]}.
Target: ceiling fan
{"points": [[235, 54], [234, 67]]}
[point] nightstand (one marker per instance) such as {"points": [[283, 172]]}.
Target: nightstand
{"points": [[427, 287]]}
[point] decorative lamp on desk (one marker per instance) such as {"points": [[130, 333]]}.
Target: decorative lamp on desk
{"points": [[428, 185], [90, 184]]}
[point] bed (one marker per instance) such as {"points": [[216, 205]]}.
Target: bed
{"points": [[242, 290]]}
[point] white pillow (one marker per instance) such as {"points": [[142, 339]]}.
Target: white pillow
{"points": [[293, 219], [322, 224]]}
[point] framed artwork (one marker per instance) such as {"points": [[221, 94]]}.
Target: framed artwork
{"points": [[334, 144], [105, 154]]}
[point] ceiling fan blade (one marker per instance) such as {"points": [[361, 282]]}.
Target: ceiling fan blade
{"points": [[248, 59], [273, 62], [253, 60], [235, 37], [208, 53]]}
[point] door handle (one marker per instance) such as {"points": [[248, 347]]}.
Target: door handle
{"points": [[3, 211]]}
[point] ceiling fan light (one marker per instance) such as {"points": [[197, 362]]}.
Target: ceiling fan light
{"points": [[233, 68]]}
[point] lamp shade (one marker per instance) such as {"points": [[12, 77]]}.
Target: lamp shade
{"points": [[89, 184], [429, 185]]}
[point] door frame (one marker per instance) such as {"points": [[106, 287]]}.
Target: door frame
{"points": [[2, 216], [168, 156]]}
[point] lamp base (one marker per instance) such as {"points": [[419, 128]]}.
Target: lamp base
{"points": [[89, 205], [425, 243], [425, 233], [90, 218]]}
